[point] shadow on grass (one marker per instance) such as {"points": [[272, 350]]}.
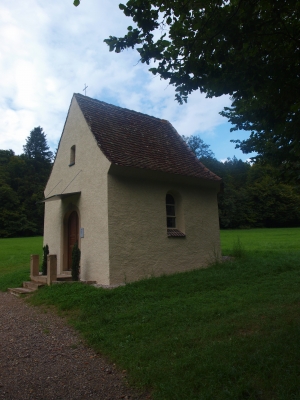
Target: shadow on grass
{"points": [[230, 331]]}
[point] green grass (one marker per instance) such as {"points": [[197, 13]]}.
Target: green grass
{"points": [[231, 331], [15, 260], [261, 240]]}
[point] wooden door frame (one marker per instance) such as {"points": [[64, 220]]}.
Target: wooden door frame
{"points": [[65, 236]]}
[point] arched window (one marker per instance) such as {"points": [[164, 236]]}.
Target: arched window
{"points": [[174, 213], [72, 155], [170, 210]]}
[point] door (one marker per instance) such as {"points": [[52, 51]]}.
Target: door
{"points": [[72, 235]]}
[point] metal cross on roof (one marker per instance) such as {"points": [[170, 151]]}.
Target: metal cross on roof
{"points": [[84, 89]]}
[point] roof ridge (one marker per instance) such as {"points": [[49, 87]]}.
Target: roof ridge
{"points": [[132, 139], [121, 108]]}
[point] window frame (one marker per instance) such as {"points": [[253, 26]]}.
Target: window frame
{"points": [[172, 216], [174, 212], [72, 155]]}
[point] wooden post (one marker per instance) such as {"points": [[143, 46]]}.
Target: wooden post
{"points": [[51, 268], [34, 265]]}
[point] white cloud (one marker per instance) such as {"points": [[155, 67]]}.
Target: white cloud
{"points": [[49, 50]]}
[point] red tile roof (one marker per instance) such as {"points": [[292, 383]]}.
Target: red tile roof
{"points": [[131, 139]]}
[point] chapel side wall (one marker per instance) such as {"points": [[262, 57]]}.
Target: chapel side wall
{"points": [[139, 246], [89, 176]]}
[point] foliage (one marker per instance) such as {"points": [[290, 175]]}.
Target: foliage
{"points": [[44, 263], [253, 195], [15, 260], [22, 182], [197, 145], [246, 49], [226, 332], [36, 146], [75, 262]]}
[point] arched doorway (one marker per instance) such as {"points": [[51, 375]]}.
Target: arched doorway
{"points": [[72, 235]]}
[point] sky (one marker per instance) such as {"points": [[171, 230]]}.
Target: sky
{"points": [[51, 49]]}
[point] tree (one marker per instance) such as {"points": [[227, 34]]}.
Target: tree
{"points": [[75, 267], [45, 260], [36, 146], [248, 49], [13, 213], [197, 145], [251, 195], [22, 182]]}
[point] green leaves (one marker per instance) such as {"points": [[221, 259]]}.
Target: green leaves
{"points": [[198, 147], [247, 49], [22, 182], [76, 253], [76, 3], [36, 146], [44, 262], [253, 195]]}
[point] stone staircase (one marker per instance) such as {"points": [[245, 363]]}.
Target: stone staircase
{"points": [[37, 280], [28, 287]]}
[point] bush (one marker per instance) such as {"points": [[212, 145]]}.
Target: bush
{"points": [[44, 263], [238, 250], [75, 262]]}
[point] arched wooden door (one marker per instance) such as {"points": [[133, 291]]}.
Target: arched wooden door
{"points": [[72, 235]]}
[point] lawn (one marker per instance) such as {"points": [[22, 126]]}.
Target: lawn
{"points": [[261, 240], [231, 331], [15, 259]]}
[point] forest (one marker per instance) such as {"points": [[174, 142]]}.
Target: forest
{"points": [[253, 194], [22, 182]]}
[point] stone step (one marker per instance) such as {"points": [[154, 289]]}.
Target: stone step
{"points": [[64, 277], [67, 272], [39, 279], [70, 281], [32, 285], [19, 291]]}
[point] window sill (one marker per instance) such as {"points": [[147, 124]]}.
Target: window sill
{"points": [[175, 233]]}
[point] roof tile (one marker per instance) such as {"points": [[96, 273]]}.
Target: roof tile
{"points": [[132, 139], [174, 233]]}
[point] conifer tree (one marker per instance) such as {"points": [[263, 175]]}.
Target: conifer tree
{"points": [[75, 262], [36, 146]]}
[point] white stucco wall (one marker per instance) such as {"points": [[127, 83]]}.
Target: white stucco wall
{"points": [[139, 246], [89, 176]]}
